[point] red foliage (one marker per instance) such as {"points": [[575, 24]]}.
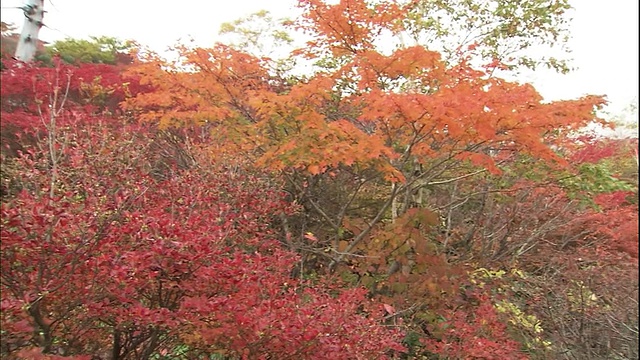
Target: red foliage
{"points": [[617, 224], [99, 257], [595, 149], [475, 333], [30, 92]]}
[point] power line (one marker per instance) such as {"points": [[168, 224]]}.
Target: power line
{"points": [[54, 7], [58, 30]]}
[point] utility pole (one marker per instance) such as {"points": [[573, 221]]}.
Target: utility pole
{"points": [[34, 13]]}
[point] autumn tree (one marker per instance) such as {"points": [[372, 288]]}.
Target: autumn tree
{"points": [[405, 118]]}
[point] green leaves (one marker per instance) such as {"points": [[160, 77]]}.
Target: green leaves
{"points": [[499, 29], [259, 34], [97, 50], [591, 180]]}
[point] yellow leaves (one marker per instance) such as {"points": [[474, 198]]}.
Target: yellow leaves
{"points": [[518, 317], [581, 296], [95, 92], [488, 274]]}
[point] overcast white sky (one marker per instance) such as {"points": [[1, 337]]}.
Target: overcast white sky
{"points": [[605, 35]]}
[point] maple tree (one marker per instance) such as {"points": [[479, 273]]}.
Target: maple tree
{"points": [[404, 118]]}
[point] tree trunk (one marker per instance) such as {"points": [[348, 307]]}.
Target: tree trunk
{"points": [[33, 13]]}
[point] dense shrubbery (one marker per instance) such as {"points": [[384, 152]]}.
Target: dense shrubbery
{"points": [[112, 248]]}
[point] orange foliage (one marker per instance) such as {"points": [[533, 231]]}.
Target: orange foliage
{"points": [[370, 111], [348, 27]]}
